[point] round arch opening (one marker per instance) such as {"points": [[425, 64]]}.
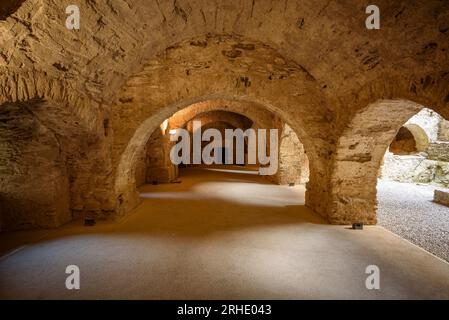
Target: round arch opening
{"points": [[163, 123]]}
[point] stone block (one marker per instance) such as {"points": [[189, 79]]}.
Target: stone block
{"points": [[441, 197], [439, 151]]}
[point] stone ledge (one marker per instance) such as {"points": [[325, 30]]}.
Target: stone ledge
{"points": [[441, 197]]}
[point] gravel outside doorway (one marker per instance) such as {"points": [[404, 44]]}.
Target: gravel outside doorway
{"points": [[408, 210]]}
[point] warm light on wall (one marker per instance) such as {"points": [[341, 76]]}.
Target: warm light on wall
{"points": [[164, 126]]}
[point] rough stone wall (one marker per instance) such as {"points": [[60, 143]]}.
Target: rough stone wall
{"points": [[40, 145], [443, 130], [159, 168], [415, 169], [150, 159], [438, 150], [34, 182], [141, 169], [293, 161]]}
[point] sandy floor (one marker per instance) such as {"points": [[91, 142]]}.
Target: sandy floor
{"points": [[408, 210], [218, 235]]}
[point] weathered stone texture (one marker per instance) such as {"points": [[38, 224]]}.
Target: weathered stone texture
{"points": [[443, 133], [345, 92], [441, 197], [439, 151], [415, 169], [38, 147], [293, 161]]}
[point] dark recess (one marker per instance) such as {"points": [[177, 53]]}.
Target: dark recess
{"points": [[8, 7]]}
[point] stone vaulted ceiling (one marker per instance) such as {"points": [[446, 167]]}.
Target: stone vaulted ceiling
{"points": [[326, 38]]}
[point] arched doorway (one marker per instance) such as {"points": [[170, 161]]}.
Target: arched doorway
{"points": [[159, 142], [394, 139]]}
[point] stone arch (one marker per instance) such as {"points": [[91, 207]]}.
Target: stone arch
{"points": [[420, 136], [124, 184], [188, 73], [414, 155], [260, 117], [231, 118], [220, 124], [424, 126], [155, 166], [404, 143], [293, 161], [359, 154], [161, 170]]}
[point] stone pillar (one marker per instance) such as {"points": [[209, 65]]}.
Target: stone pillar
{"points": [[159, 168], [293, 161]]}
